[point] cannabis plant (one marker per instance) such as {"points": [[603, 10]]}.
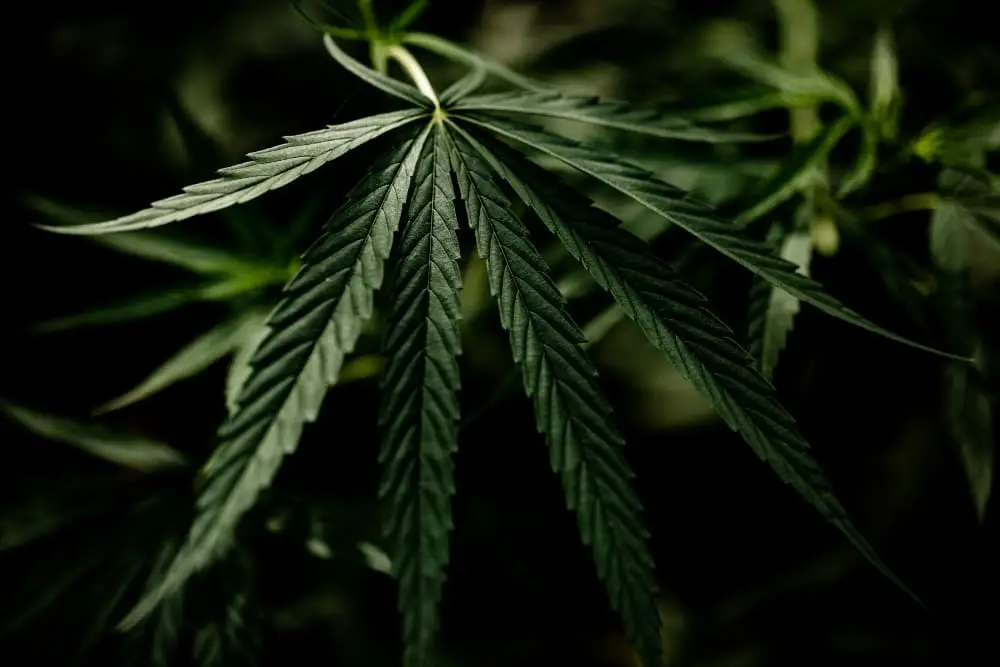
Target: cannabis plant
{"points": [[452, 161]]}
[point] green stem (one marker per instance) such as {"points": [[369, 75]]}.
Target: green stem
{"points": [[799, 24], [924, 201], [410, 65]]}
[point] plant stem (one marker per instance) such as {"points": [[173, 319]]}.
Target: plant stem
{"points": [[799, 24], [409, 64], [924, 201]]}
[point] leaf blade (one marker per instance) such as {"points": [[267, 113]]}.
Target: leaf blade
{"points": [[675, 318], [190, 360], [419, 409], [771, 326], [645, 189], [605, 113], [97, 440], [585, 447], [267, 170], [316, 323]]}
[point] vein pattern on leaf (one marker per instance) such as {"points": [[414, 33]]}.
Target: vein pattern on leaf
{"points": [[611, 114], [267, 170], [585, 447], [420, 410], [677, 321], [316, 323], [663, 199]]}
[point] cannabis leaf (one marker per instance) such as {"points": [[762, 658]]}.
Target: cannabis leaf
{"points": [[98, 440], [316, 323], [677, 321], [267, 170], [644, 188], [193, 358], [605, 113], [585, 447], [419, 412], [774, 309]]}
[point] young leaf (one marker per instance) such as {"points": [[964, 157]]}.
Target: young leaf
{"points": [[575, 418], [384, 83], [460, 54], [883, 84], [95, 439], [316, 323], [267, 170], [465, 86], [794, 172], [192, 359], [769, 332], [644, 188], [605, 113], [419, 410], [677, 321]]}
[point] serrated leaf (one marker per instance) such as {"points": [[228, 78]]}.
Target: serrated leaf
{"points": [[165, 627], [316, 323], [795, 172], [384, 83], [98, 440], [267, 170], [239, 368], [605, 113], [644, 188], [465, 86], [676, 320], [770, 327], [460, 54], [419, 410], [575, 418], [192, 359]]}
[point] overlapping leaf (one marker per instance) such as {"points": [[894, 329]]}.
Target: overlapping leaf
{"points": [[193, 358], [606, 113], [585, 447], [267, 170], [676, 319], [420, 410], [773, 310], [644, 188], [316, 323]]}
